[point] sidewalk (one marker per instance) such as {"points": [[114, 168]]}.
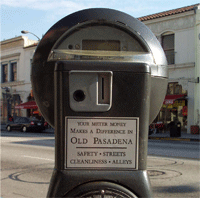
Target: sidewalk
{"points": [[184, 137]]}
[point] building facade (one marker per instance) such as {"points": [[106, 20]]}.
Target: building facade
{"points": [[178, 31], [16, 55]]}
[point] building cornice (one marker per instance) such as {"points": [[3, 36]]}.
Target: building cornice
{"points": [[181, 66], [9, 56], [13, 83], [34, 45], [12, 40]]}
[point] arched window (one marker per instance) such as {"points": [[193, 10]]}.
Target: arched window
{"points": [[168, 46]]}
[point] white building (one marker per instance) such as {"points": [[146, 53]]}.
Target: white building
{"points": [[178, 31], [16, 55]]}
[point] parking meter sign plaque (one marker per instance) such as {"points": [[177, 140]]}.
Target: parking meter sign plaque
{"points": [[101, 142]]}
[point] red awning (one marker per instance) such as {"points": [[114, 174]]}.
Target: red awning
{"points": [[169, 99], [27, 105]]}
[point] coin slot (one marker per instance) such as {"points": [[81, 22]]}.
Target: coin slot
{"points": [[102, 83], [104, 89]]}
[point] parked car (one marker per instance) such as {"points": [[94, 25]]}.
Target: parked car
{"points": [[25, 124]]}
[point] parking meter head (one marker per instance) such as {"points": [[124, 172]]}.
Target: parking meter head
{"points": [[97, 35]]}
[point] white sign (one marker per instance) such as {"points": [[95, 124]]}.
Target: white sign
{"points": [[101, 142]]}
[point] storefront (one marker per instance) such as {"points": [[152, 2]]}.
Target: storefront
{"points": [[175, 106], [8, 103]]}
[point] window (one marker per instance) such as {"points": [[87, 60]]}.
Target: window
{"points": [[165, 115], [13, 71], [4, 73], [168, 47], [170, 89], [17, 119], [175, 88], [24, 120]]}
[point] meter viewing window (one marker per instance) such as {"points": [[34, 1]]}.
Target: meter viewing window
{"points": [[106, 45], [96, 42]]}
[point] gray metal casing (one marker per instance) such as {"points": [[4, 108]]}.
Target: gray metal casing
{"points": [[133, 74]]}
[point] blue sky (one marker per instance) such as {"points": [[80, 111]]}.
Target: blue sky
{"points": [[38, 16]]}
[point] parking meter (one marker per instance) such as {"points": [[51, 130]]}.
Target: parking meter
{"points": [[99, 76]]}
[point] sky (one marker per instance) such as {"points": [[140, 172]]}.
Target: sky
{"points": [[38, 16]]}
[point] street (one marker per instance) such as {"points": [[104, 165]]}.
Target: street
{"points": [[27, 161], [26, 165], [182, 149]]}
